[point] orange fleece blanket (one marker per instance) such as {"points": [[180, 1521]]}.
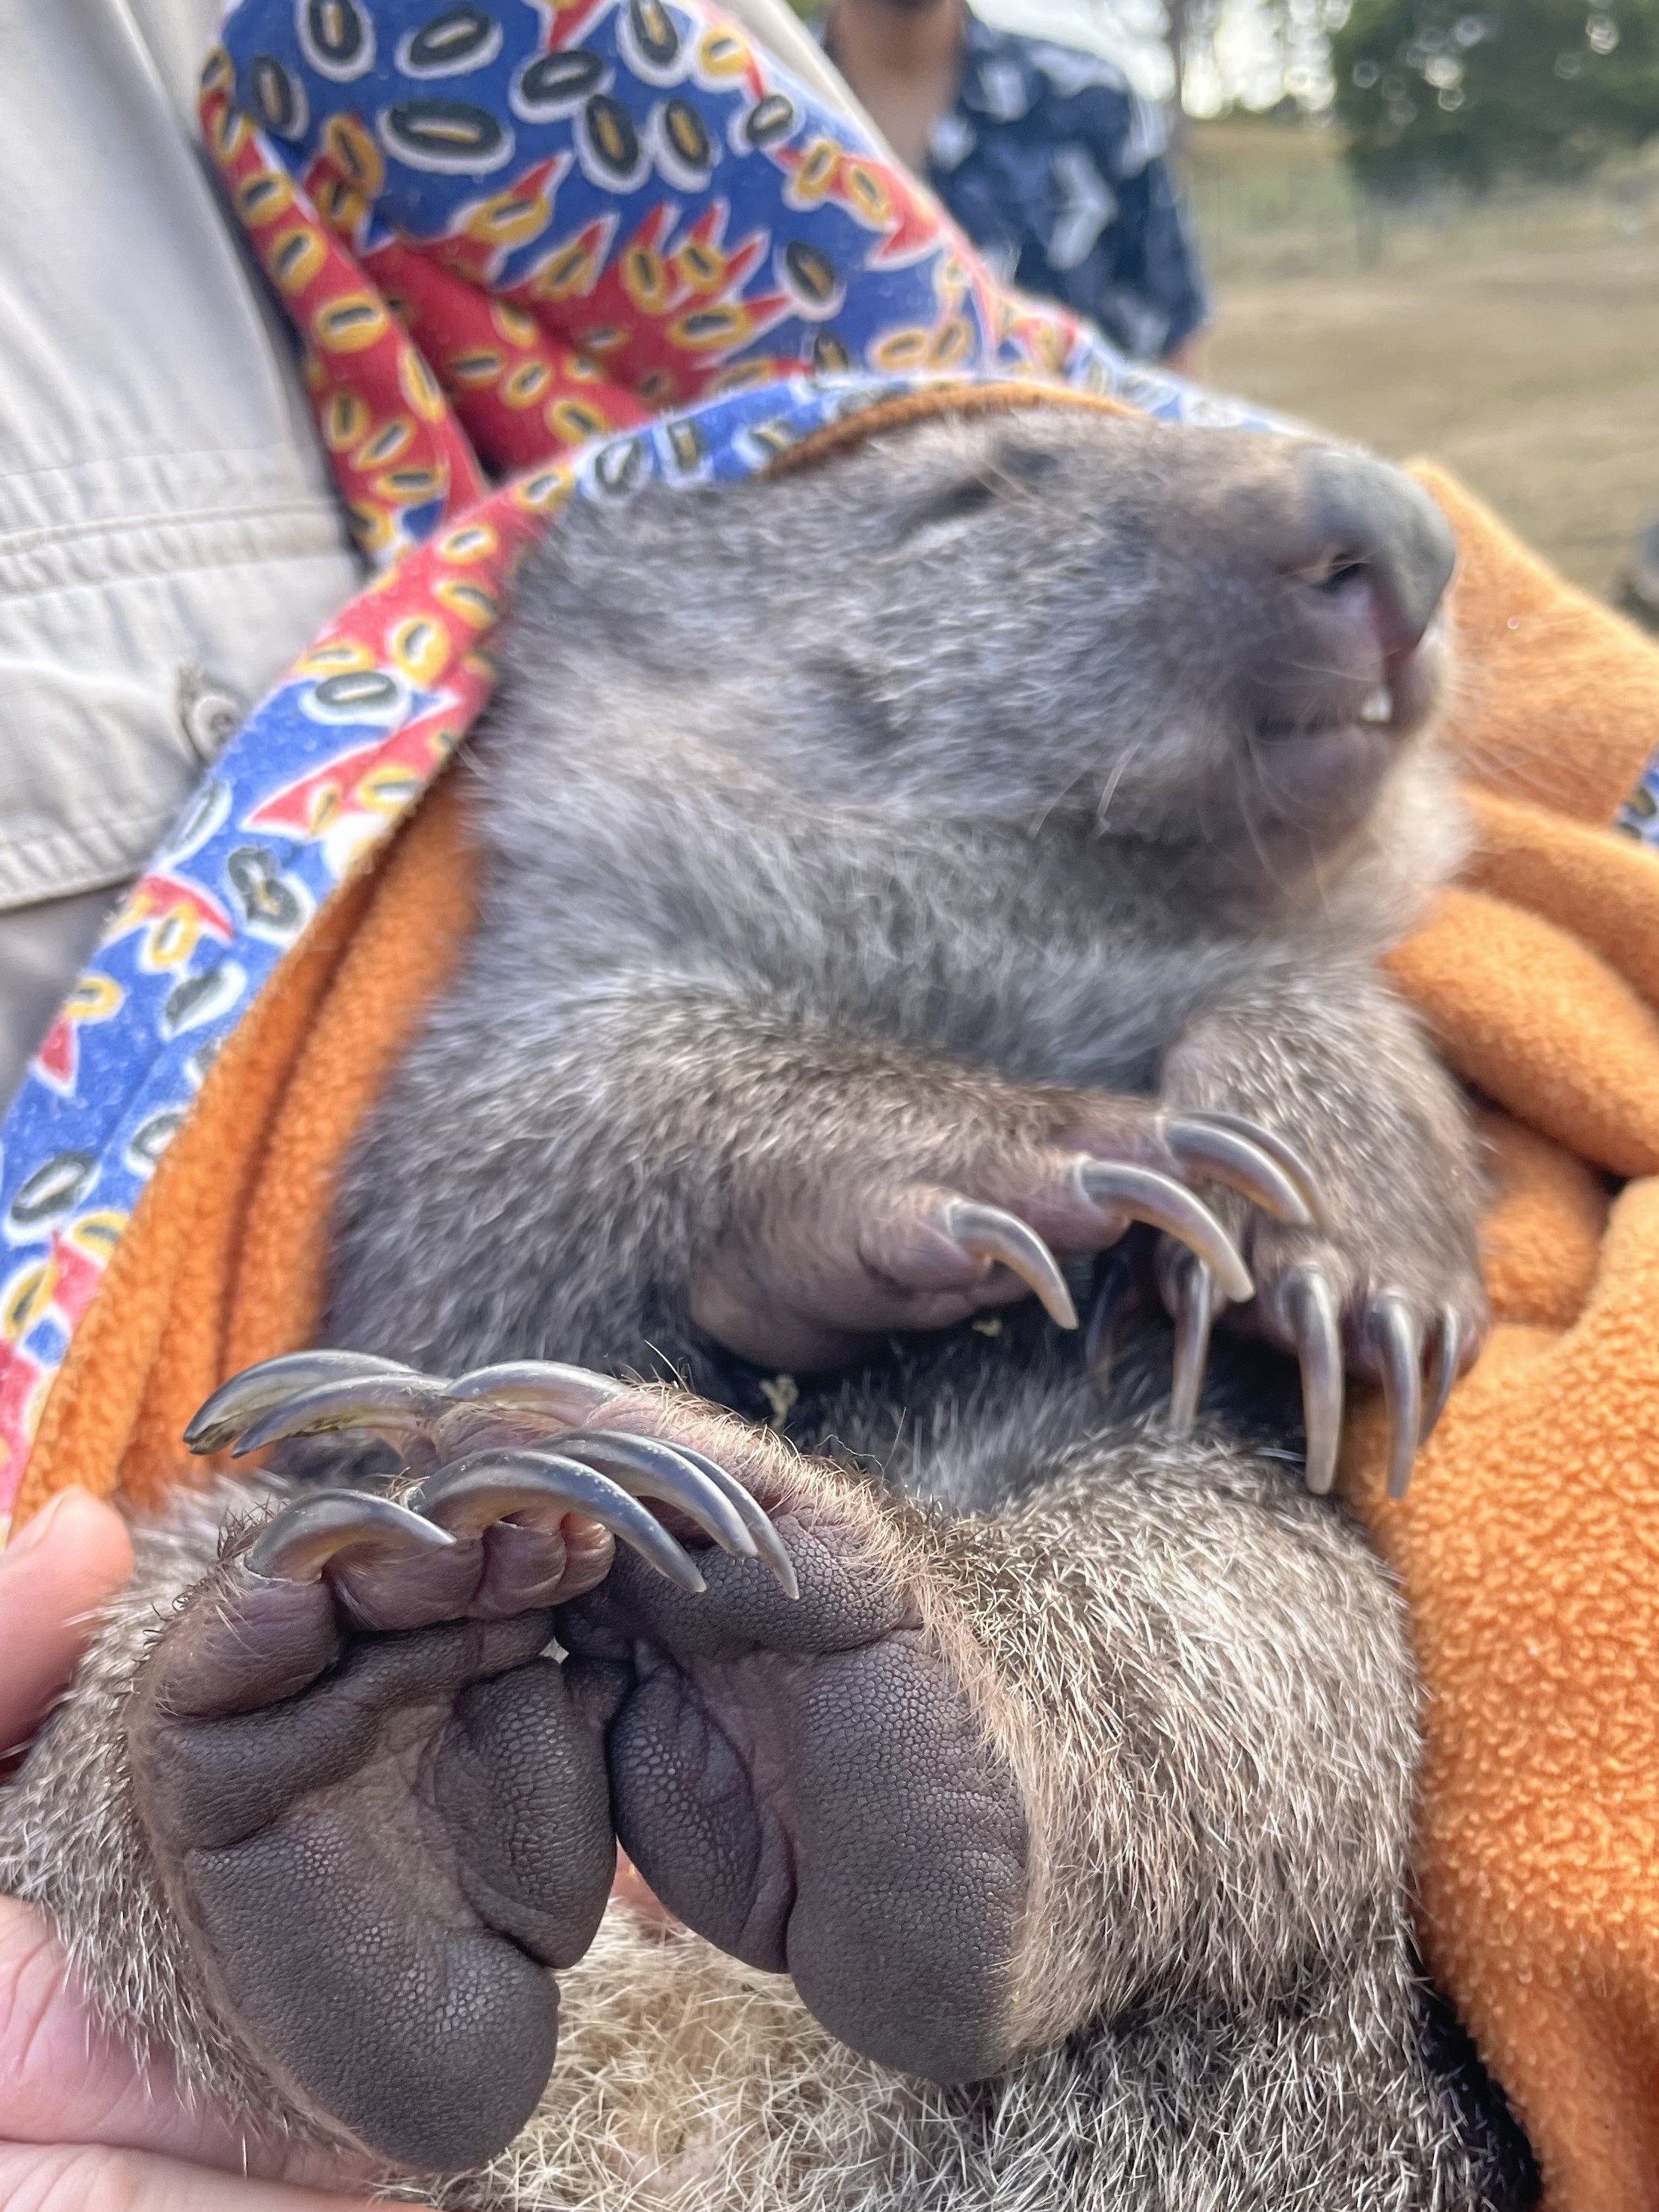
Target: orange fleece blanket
{"points": [[1529, 1544]]}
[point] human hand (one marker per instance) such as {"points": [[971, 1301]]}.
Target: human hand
{"points": [[81, 2128]]}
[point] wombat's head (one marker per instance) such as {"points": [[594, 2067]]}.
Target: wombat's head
{"points": [[1189, 634]]}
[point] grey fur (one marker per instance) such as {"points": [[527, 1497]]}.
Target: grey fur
{"points": [[848, 829]]}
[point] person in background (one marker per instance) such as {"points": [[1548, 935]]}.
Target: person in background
{"points": [[1043, 154]]}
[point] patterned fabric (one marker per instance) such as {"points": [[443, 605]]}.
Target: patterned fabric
{"points": [[1054, 168], [581, 216]]}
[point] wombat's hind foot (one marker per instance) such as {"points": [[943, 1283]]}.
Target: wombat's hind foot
{"points": [[376, 1806]]}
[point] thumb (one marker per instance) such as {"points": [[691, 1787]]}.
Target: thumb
{"points": [[70, 1559], [66, 2178]]}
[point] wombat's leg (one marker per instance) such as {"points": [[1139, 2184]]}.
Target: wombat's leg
{"points": [[1387, 1283], [372, 1808]]}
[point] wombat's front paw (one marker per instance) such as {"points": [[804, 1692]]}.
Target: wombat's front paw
{"points": [[921, 1232], [378, 1810], [1386, 1288]]}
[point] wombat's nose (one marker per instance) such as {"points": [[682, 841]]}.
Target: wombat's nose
{"points": [[1372, 526]]}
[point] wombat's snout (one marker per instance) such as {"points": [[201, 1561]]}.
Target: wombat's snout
{"points": [[1365, 561]]}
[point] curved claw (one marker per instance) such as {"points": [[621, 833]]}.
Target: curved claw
{"points": [[1398, 1344], [1311, 1308], [769, 1544], [646, 1467], [221, 1418], [304, 1537], [1144, 1195], [491, 1486], [1445, 1365], [1233, 1152], [395, 1406], [988, 1231], [1279, 1150], [535, 1386], [1194, 1311]]}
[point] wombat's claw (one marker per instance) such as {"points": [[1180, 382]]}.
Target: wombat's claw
{"points": [[300, 1541], [1396, 1336], [1194, 1303], [535, 1386], [308, 1393], [531, 1485], [234, 1405], [1445, 1365], [1228, 1149], [748, 1534], [597, 1472], [1142, 1195], [394, 1405], [1310, 1306], [989, 1233]]}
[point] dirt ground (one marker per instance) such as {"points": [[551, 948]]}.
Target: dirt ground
{"points": [[1529, 365]]}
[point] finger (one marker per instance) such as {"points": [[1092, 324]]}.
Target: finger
{"points": [[1117, 1187], [989, 1232], [99, 2180], [1316, 1322], [1397, 1339], [1234, 1152], [1445, 1365], [70, 1560], [257, 1390], [69, 2079]]}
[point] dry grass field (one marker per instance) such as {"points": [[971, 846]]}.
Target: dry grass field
{"points": [[1517, 342]]}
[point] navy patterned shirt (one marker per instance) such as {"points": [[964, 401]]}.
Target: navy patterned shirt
{"points": [[1055, 170]]}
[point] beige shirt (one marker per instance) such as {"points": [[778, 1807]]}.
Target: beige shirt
{"points": [[169, 538]]}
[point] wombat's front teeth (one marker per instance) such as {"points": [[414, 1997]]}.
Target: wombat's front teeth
{"points": [[1379, 706]]}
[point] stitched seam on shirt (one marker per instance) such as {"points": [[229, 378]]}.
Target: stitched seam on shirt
{"points": [[252, 546], [127, 842]]}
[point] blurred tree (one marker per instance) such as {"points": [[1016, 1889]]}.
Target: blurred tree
{"points": [[1469, 91]]}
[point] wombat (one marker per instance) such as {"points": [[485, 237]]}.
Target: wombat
{"points": [[950, 869]]}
